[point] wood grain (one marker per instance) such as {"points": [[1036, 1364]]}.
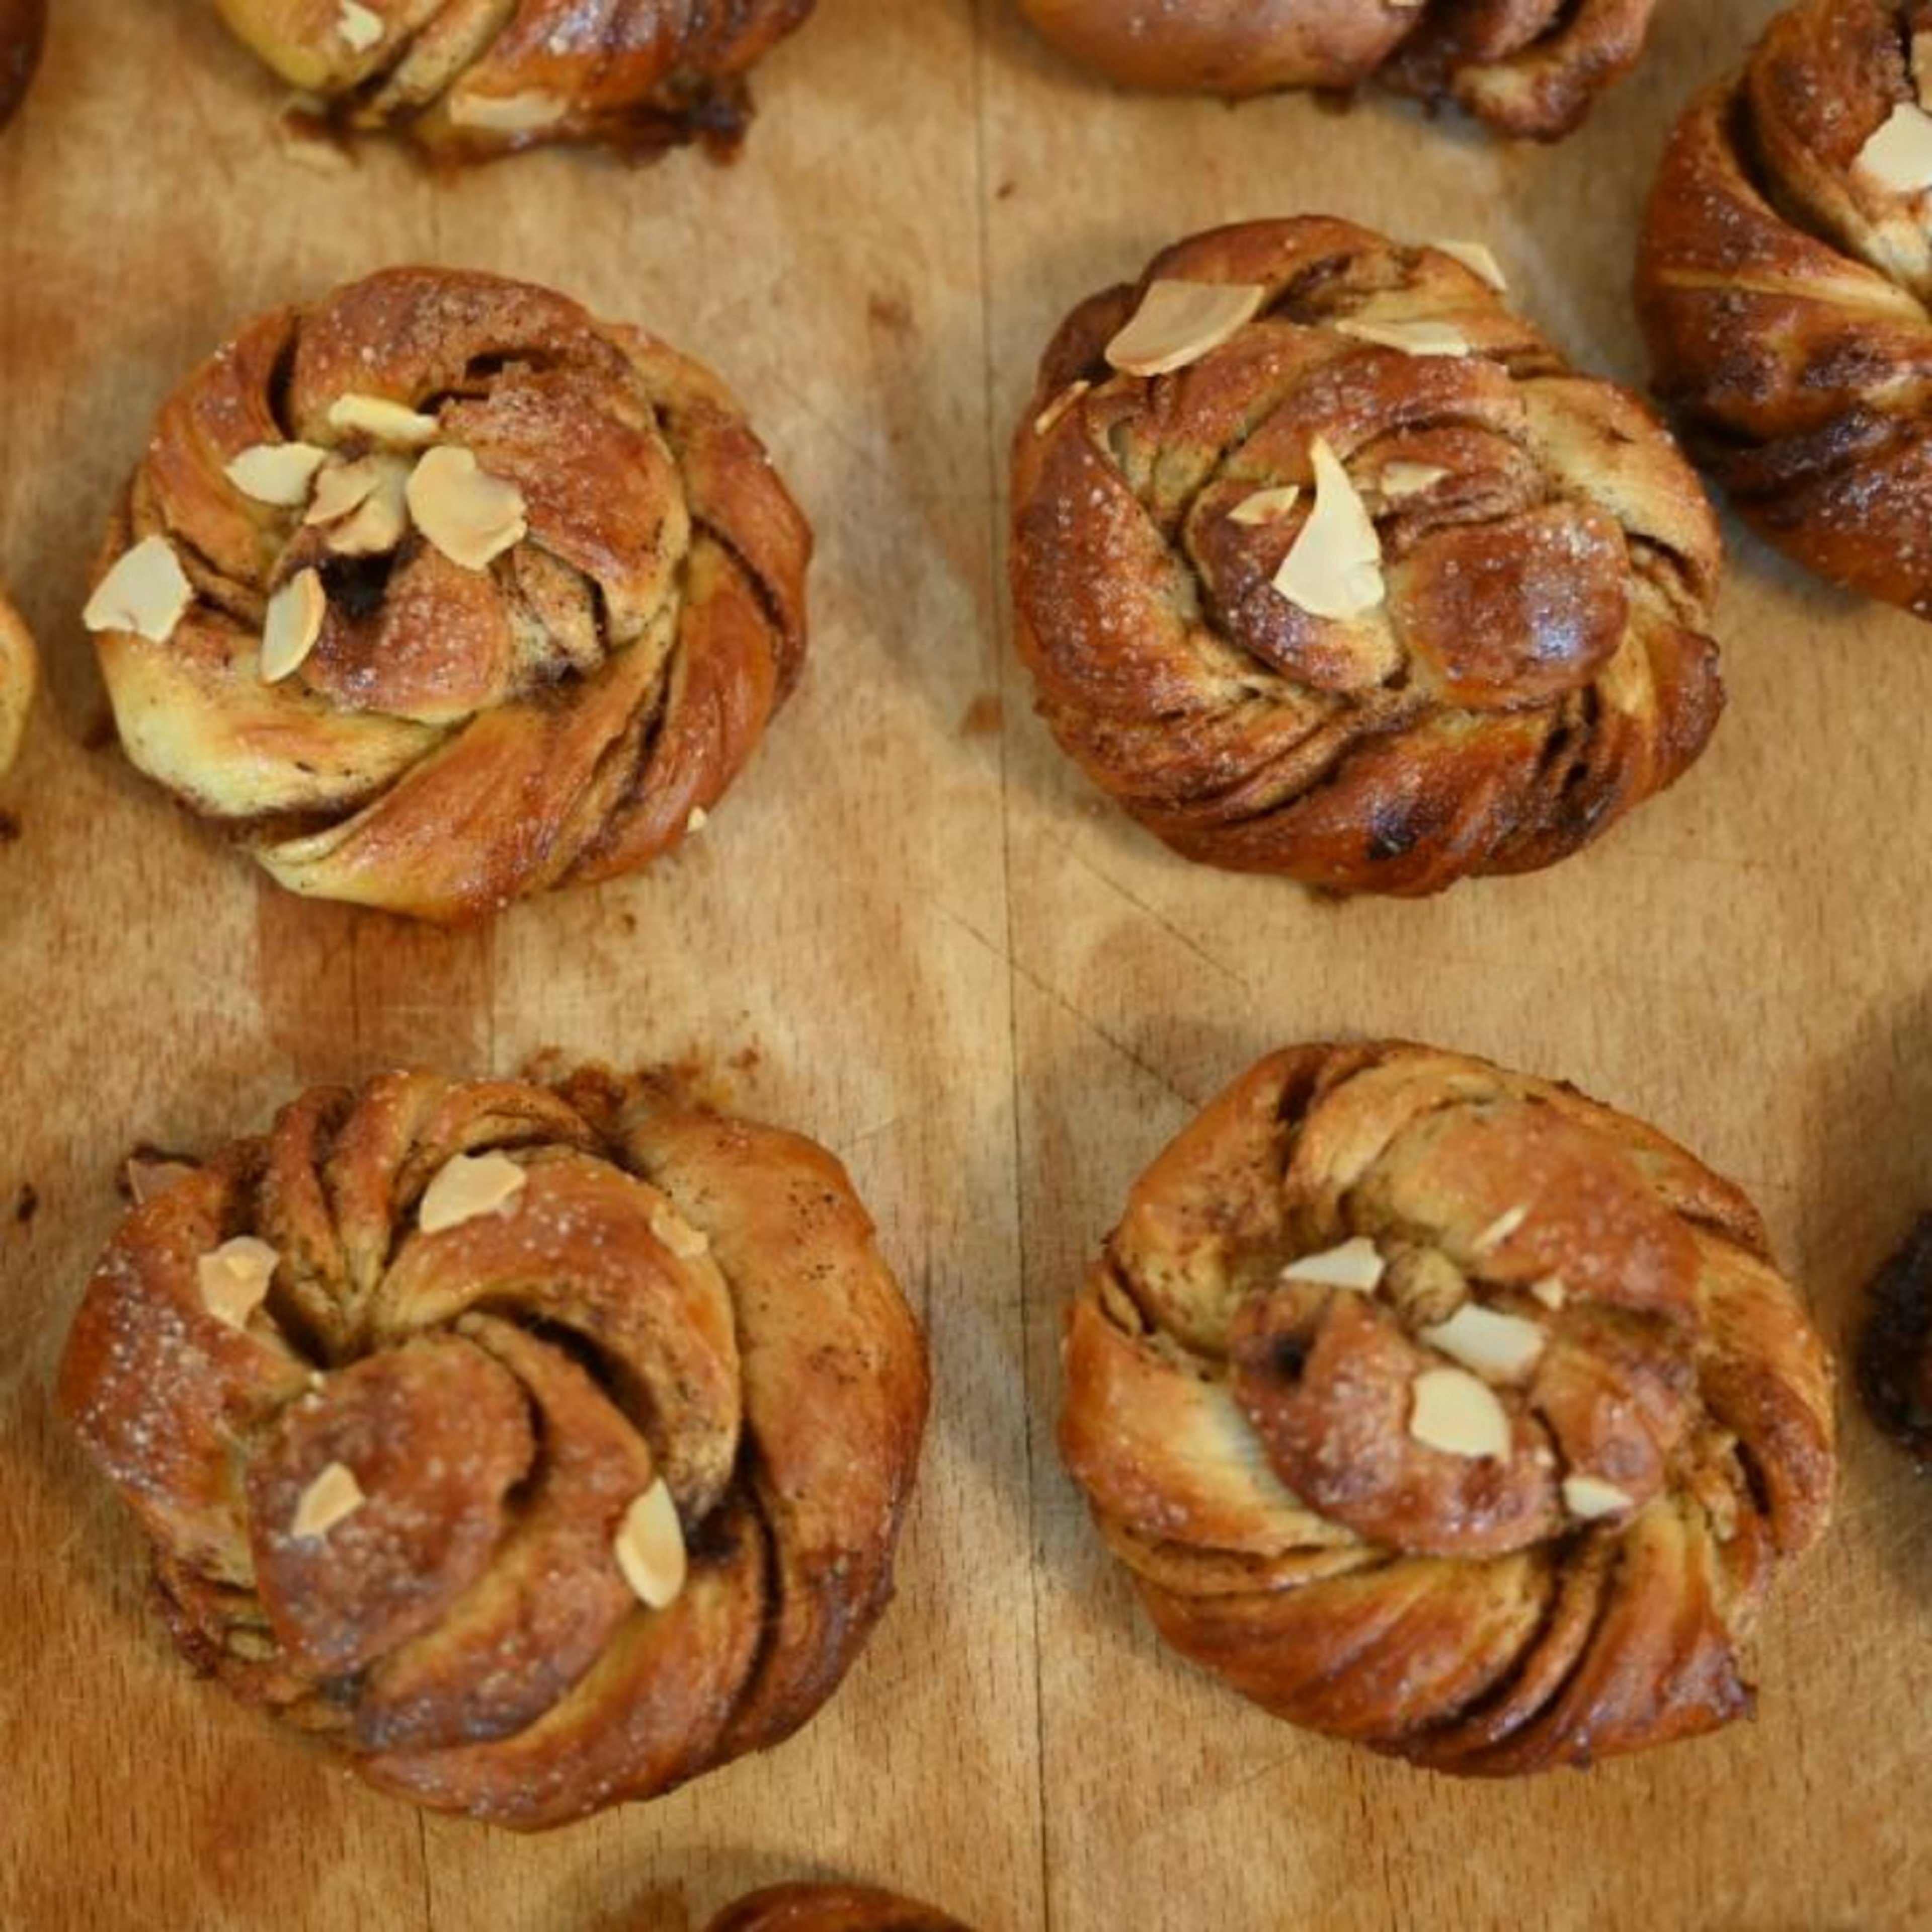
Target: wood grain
{"points": [[921, 937]]}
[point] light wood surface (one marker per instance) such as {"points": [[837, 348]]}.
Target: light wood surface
{"points": [[926, 942]]}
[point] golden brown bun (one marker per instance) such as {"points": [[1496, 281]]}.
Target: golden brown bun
{"points": [[23, 27], [1539, 664], [830, 1908], [19, 674], [1248, 1442], [672, 1297], [1527, 68], [1781, 285], [469, 81], [461, 736]]}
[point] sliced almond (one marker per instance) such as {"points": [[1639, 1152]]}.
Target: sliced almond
{"points": [[699, 819], [1357, 1265], [1499, 1230], [467, 1186], [1550, 1291], [1060, 404], [1458, 1413], [1478, 259], [234, 1279], [342, 488], [1335, 568], [381, 521], [1412, 338], [508, 113], [387, 422], [279, 473], [359, 28], [1588, 1497], [147, 593], [296, 614], [333, 1497], [363, 503], [1503, 1347], [649, 1549], [1178, 323], [677, 1234], [1266, 506], [144, 1176], [469, 515], [1399, 479], [1899, 154]]}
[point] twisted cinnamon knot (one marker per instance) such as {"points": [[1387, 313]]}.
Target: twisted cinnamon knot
{"points": [[1786, 270], [830, 1908], [469, 81], [19, 674], [1327, 564], [541, 1448], [1531, 68], [439, 593], [1439, 1408], [23, 27]]}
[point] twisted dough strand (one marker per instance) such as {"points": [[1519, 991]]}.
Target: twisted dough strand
{"points": [[1783, 286], [470, 79], [668, 1296], [1251, 1437], [461, 736], [1531, 68], [1539, 664]]}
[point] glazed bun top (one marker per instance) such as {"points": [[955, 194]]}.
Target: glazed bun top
{"points": [[439, 591], [1327, 564]]}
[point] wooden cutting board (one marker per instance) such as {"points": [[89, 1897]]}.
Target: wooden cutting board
{"points": [[915, 933]]}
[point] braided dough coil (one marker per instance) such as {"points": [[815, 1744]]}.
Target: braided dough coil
{"points": [[1535, 660], [1439, 1408], [539, 1447], [560, 595], [1786, 270]]}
